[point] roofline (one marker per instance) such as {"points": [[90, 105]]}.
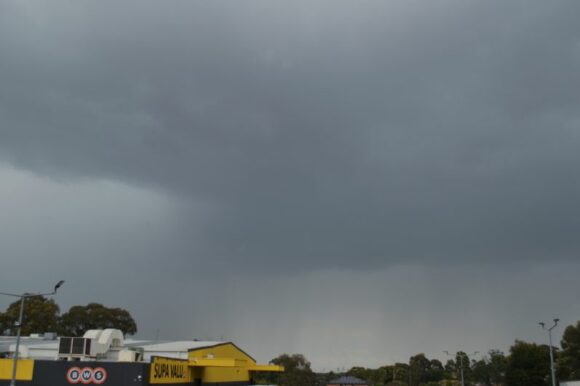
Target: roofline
{"points": [[223, 344], [170, 358]]}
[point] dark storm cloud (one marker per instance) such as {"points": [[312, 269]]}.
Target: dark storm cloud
{"points": [[319, 135]]}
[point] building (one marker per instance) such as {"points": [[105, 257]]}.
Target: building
{"points": [[347, 381], [104, 357]]}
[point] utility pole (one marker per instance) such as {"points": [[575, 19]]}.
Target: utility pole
{"points": [[19, 324], [552, 369]]}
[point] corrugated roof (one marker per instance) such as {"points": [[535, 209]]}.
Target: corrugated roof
{"points": [[149, 346], [180, 345], [6, 341]]}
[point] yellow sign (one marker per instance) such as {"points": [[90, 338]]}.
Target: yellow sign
{"points": [[24, 369], [169, 370]]}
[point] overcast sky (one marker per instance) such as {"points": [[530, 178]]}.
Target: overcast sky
{"points": [[357, 181]]}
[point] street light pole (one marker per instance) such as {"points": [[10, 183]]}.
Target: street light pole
{"points": [[552, 369], [17, 351], [19, 325]]}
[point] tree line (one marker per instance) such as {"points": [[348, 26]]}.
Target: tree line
{"points": [[526, 364], [42, 315]]}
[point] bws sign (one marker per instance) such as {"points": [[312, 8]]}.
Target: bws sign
{"points": [[86, 375], [169, 370]]}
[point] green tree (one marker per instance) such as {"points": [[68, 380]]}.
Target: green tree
{"points": [[379, 376], [569, 358], [297, 371], [462, 362], [40, 316], [450, 369], [497, 365], [528, 365], [382, 375], [480, 372], [5, 324], [361, 373], [490, 370], [419, 367], [322, 379], [401, 373], [436, 371], [79, 319]]}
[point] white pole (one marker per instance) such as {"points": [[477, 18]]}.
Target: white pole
{"points": [[16, 352], [552, 368], [20, 319]]}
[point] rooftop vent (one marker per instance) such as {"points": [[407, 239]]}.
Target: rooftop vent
{"points": [[75, 347], [94, 344]]}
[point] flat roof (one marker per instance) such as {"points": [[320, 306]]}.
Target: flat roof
{"points": [[150, 347]]}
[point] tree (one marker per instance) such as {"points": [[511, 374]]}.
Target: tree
{"points": [[424, 371], [361, 373], [463, 365], [419, 367], [481, 372], [528, 365], [95, 316], [40, 316], [381, 376], [450, 369], [436, 371], [400, 373], [569, 358], [297, 371], [497, 365], [491, 369], [322, 379]]}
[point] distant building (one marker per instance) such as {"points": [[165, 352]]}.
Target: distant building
{"points": [[570, 383], [347, 381], [104, 357]]}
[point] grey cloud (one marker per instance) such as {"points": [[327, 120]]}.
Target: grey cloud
{"points": [[317, 135]]}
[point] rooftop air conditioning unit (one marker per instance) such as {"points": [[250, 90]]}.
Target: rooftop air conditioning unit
{"points": [[76, 347], [94, 344]]}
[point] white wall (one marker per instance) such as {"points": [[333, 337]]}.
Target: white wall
{"points": [[570, 383]]}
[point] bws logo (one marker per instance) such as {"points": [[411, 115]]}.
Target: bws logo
{"points": [[86, 375]]}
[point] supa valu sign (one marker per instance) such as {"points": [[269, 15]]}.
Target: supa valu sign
{"points": [[169, 370]]}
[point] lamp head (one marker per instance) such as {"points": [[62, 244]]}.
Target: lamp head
{"points": [[542, 324], [556, 320], [58, 285]]}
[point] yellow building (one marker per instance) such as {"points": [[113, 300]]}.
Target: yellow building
{"points": [[104, 357], [220, 364]]}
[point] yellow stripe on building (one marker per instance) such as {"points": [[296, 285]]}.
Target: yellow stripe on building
{"points": [[24, 369]]}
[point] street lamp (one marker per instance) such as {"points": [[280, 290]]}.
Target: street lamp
{"points": [[552, 369], [22, 297], [461, 362]]}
